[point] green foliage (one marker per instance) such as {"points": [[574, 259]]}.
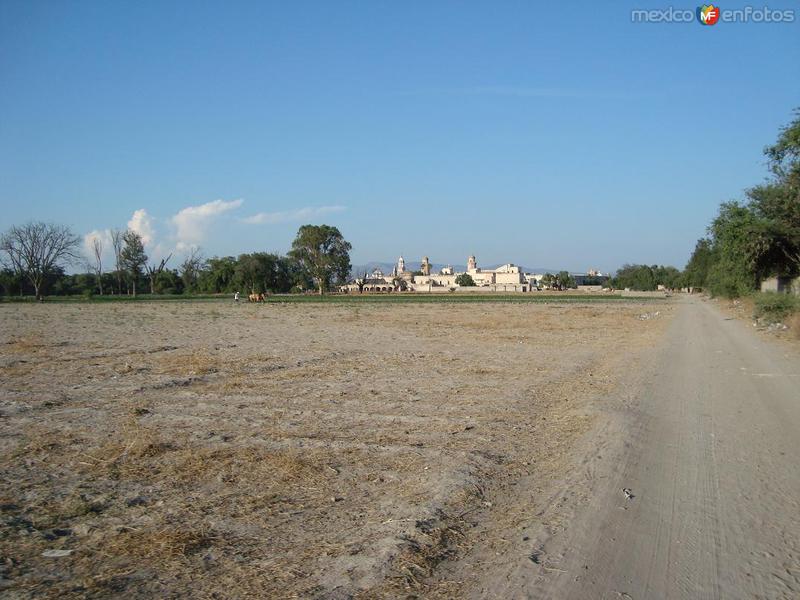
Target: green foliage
{"points": [[646, 278], [754, 240], [218, 275], [735, 234], [262, 272], [562, 281], [12, 282], [465, 280], [699, 265], [775, 306], [132, 257], [169, 282], [322, 252], [565, 280], [776, 249], [784, 155]]}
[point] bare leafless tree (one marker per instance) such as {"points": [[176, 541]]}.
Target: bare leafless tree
{"points": [[361, 282], [191, 267], [118, 242], [97, 267], [154, 270], [36, 249]]}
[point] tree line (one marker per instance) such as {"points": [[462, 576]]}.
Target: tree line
{"points": [[749, 240], [758, 237], [647, 278], [35, 256]]}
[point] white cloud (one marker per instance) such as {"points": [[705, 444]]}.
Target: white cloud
{"points": [[192, 223], [107, 252], [145, 225], [301, 214], [142, 223]]}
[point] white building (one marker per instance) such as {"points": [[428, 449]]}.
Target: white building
{"points": [[506, 278]]}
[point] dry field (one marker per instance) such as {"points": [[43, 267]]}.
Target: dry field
{"points": [[215, 450]]}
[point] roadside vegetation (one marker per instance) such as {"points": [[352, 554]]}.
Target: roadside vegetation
{"points": [[647, 278], [758, 238], [748, 241], [775, 307]]}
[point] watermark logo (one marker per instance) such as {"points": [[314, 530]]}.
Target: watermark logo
{"points": [[708, 14]]}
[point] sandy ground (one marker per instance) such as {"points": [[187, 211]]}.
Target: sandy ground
{"points": [[329, 451], [706, 438]]}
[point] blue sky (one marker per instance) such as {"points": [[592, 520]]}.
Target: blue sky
{"points": [[555, 134]]}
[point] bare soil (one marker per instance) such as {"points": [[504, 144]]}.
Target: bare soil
{"points": [[280, 451]]}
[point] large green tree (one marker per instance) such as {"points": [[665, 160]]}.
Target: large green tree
{"points": [[465, 280], [218, 275], [738, 249], [263, 272], [697, 269], [776, 247], [133, 257], [565, 280], [323, 253]]}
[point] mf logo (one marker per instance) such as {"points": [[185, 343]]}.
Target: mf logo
{"points": [[708, 14]]}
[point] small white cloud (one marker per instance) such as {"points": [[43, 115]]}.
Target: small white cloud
{"points": [[301, 214], [107, 251], [192, 223], [145, 225], [142, 223]]}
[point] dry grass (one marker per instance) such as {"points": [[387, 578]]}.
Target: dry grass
{"points": [[199, 362], [317, 448]]}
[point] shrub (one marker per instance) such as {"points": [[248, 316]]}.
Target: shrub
{"points": [[465, 280], [775, 306]]}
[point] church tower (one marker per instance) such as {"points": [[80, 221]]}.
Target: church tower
{"points": [[426, 266], [472, 265], [401, 266]]}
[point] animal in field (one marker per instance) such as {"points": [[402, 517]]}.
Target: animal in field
{"points": [[256, 297]]}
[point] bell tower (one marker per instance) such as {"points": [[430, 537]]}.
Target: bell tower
{"points": [[472, 264], [426, 266]]}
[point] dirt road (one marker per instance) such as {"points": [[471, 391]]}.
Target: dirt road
{"points": [[709, 445]]}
